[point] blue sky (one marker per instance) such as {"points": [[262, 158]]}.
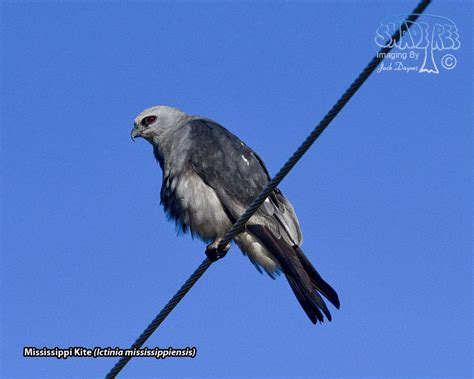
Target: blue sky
{"points": [[383, 197]]}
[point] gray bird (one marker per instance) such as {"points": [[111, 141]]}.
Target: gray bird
{"points": [[209, 178]]}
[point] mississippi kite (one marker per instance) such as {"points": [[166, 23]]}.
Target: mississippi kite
{"points": [[209, 178]]}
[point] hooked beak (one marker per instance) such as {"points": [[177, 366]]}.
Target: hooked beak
{"points": [[136, 132]]}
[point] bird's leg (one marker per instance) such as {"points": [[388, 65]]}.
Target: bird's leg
{"points": [[215, 253]]}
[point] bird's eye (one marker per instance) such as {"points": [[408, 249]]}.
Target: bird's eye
{"points": [[148, 120]]}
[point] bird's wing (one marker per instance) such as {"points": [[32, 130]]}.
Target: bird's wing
{"points": [[238, 175]]}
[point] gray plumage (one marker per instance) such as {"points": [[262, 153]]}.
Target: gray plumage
{"points": [[209, 178]]}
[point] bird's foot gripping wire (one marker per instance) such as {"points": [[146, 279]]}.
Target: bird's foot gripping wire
{"points": [[214, 252]]}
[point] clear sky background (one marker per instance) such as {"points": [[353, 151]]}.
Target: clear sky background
{"points": [[383, 197]]}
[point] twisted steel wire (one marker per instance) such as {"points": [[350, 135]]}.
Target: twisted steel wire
{"points": [[239, 225], [161, 316]]}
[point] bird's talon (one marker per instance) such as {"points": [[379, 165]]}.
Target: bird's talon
{"points": [[214, 253]]}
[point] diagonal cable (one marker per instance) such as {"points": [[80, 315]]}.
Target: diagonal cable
{"points": [[239, 225]]}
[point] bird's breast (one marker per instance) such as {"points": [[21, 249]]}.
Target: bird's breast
{"points": [[194, 205]]}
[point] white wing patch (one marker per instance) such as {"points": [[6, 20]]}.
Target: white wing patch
{"points": [[245, 160]]}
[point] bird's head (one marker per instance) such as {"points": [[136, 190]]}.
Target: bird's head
{"points": [[156, 121]]}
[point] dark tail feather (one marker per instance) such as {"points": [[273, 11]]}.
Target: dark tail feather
{"points": [[310, 301], [303, 279], [320, 284]]}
